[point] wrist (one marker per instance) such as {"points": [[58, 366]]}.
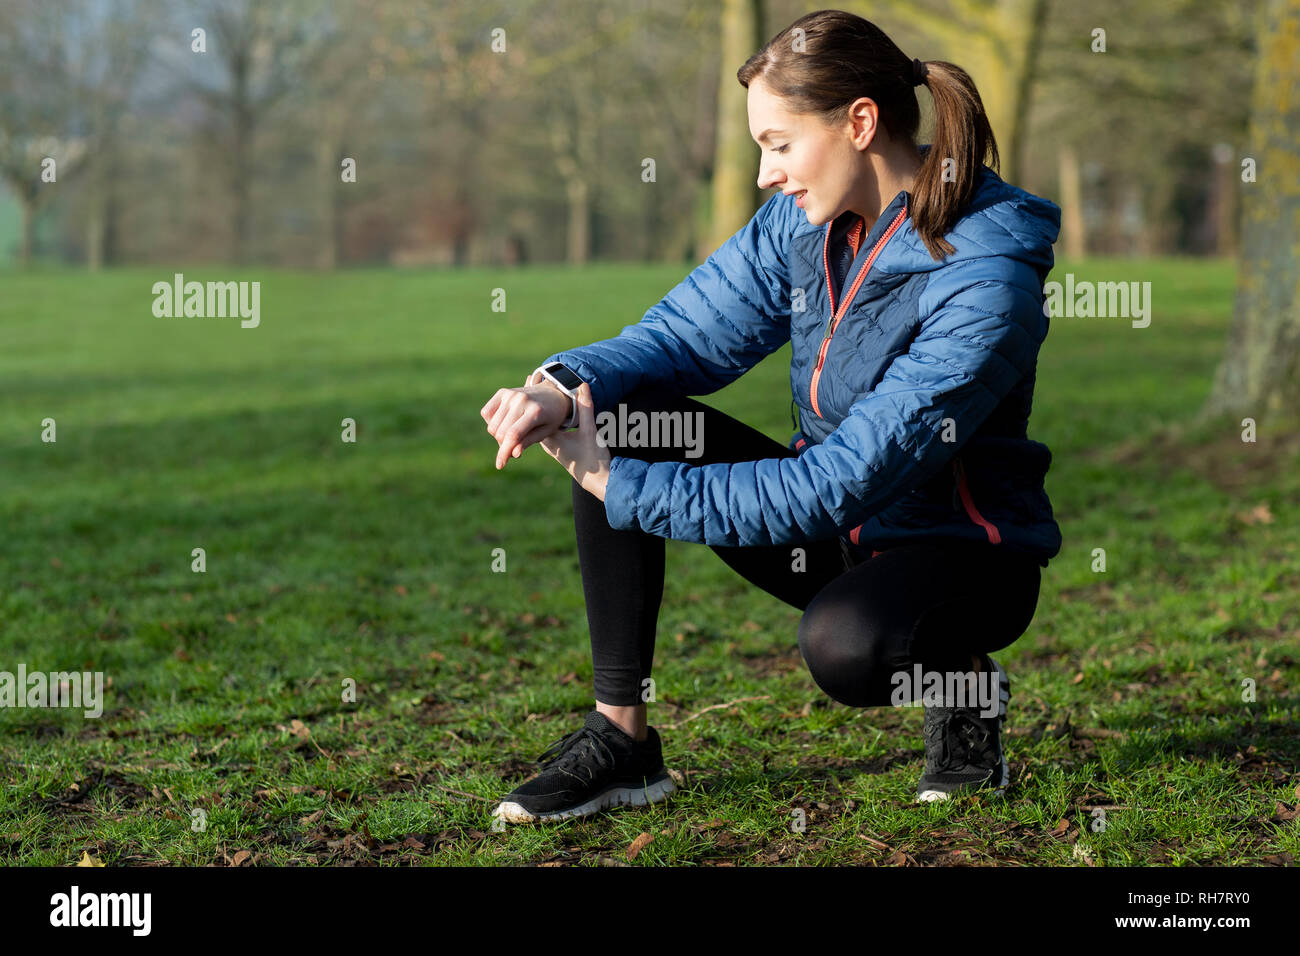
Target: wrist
{"points": [[565, 381]]}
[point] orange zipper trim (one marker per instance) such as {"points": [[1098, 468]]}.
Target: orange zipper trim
{"points": [[995, 537], [836, 315]]}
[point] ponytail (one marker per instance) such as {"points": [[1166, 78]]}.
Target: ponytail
{"points": [[962, 138]]}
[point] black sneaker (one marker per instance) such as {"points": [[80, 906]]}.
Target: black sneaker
{"points": [[590, 770], [963, 748]]}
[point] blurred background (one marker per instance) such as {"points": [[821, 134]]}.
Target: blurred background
{"points": [[526, 145], [434, 196]]}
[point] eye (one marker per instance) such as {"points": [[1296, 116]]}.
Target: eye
{"points": [[781, 150]]}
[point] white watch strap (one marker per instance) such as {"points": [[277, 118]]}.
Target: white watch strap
{"points": [[572, 420]]}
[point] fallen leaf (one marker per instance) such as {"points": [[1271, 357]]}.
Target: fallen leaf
{"points": [[1283, 813], [640, 843], [1257, 515], [88, 860], [296, 727], [241, 857]]}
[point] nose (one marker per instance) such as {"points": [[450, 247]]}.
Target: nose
{"points": [[766, 177]]}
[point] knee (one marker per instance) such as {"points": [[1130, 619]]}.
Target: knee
{"points": [[845, 651]]}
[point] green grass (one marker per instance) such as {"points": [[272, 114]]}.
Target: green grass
{"points": [[372, 561]]}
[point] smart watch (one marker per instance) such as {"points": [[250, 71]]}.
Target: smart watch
{"points": [[567, 381]]}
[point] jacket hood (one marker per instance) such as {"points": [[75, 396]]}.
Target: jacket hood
{"points": [[999, 220]]}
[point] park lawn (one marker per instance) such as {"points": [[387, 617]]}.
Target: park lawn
{"points": [[226, 737]]}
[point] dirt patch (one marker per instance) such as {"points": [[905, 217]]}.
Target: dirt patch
{"points": [[1230, 464]]}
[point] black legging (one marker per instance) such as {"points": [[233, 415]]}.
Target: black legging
{"points": [[937, 602]]}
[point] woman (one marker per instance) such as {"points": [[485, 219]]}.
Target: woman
{"points": [[907, 517]]}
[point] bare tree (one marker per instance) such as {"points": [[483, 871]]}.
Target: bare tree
{"points": [[1260, 374], [259, 50], [66, 73]]}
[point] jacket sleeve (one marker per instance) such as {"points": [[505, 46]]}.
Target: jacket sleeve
{"points": [[982, 336], [720, 321]]}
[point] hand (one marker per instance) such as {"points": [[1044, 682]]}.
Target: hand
{"points": [[582, 456], [519, 417]]}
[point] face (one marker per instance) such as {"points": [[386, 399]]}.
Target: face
{"points": [[804, 155]]}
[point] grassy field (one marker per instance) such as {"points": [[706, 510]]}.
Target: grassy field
{"points": [[329, 562]]}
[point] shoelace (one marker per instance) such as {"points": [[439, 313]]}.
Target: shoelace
{"points": [[958, 735], [568, 751]]}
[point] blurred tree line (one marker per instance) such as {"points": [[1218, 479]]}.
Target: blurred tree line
{"points": [[512, 131]]}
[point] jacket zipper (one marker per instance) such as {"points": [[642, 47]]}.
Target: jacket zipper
{"points": [[836, 314], [990, 529]]}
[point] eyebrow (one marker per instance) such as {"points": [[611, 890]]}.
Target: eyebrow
{"points": [[763, 135]]}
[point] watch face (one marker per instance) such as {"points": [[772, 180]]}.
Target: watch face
{"points": [[564, 376]]}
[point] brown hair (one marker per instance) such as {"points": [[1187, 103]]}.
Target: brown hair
{"points": [[825, 60]]}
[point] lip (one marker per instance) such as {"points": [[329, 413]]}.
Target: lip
{"points": [[799, 201]]}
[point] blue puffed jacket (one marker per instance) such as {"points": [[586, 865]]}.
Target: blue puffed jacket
{"points": [[913, 384]]}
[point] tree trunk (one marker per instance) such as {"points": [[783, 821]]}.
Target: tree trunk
{"points": [[330, 170], [95, 236], [1071, 194], [1260, 374], [240, 184], [1013, 153], [579, 232], [1225, 200], [29, 229], [734, 188]]}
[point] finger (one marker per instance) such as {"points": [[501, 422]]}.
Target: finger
{"points": [[505, 415], [521, 426], [490, 408], [532, 438], [586, 411]]}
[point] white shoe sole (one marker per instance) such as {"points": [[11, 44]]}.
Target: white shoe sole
{"points": [[618, 795], [930, 796], [1004, 698]]}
